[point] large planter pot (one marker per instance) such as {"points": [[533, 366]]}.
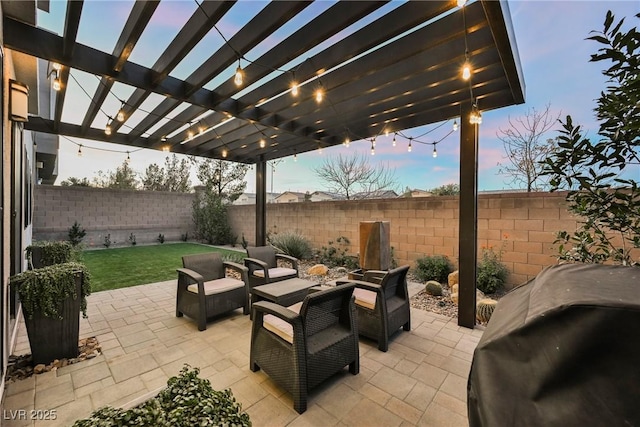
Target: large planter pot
{"points": [[52, 338]]}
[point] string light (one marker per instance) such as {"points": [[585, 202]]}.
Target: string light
{"points": [[319, 95], [461, 3], [107, 128], [409, 147], [80, 150], [128, 157], [466, 68], [455, 125], [56, 83], [224, 153], [165, 148], [373, 147], [295, 157], [394, 140], [346, 142], [239, 76], [56, 66], [475, 118], [120, 116], [263, 143], [294, 89], [435, 151]]}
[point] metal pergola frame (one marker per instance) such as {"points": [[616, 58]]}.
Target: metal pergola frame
{"points": [[400, 71]]}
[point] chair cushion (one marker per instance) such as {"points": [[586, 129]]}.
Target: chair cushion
{"points": [[278, 326], [217, 286], [365, 298], [276, 272]]}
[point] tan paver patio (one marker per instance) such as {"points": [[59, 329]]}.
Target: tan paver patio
{"points": [[420, 381]]}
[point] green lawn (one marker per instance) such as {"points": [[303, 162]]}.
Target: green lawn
{"points": [[139, 265]]}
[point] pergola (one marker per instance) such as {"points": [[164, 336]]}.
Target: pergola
{"points": [[398, 71]]}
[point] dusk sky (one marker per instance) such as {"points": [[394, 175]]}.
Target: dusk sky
{"points": [[554, 54]]}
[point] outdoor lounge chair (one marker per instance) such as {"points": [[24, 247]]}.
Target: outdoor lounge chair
{"points": [[204, 291], [263, 267], [382, 304], [301, 350]]}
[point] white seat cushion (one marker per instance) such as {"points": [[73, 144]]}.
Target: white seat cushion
{"points": [[365, 298], [217, 286], [278, 326], [276, 272]]}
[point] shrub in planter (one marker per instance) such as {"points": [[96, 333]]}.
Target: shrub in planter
{"points": [[44, 253], [52, 298], [187, 401], [435, 267]]}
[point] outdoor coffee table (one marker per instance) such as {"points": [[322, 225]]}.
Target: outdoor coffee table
{"points": [[285, 292]]}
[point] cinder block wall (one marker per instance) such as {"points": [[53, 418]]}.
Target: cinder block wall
{"points": [[119, 213], [522, 226]]}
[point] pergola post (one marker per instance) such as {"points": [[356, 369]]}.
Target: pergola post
{"points": [[261, 202], [468, 217]]}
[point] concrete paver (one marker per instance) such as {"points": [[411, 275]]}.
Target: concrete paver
{"points": [[420, 381]]}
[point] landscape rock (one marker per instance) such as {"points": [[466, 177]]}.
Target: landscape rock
{"points": [[453, 278]]}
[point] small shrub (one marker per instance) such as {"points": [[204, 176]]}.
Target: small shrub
{"points": [[184, 237], [188, 400], [160, 238], [433, 288], [435, 267], [76, 234], [132, 239], [335, 255], [49, 253], [491, 273], [292, 244], [107, 241]]}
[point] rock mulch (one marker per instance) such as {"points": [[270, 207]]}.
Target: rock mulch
{"points": [[21, 367]]}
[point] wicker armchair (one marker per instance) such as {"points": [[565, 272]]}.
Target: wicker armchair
{"points": [[382, 304], [263, 266], [204, 291], [299, 351]]}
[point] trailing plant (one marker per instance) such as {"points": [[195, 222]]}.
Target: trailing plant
{"points": [[160, 238], [132, 239], [335, 254], [187, 401], [41, 290], [292, 244], [76, 234], [491, 273], [601, 192], [433, 267], [49, 253], [107, 241]]}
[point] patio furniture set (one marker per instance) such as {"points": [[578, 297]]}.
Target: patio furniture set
{"points": [[302, 333]]}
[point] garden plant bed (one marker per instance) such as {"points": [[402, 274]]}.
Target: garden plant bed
{"points": [[21, 367]]}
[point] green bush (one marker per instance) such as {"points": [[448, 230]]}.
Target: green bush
{"points": [[210, 218], [433, 267], [293, 244], [49, 253], [335, 254], [187, 401], [76, 234], [491, 273]]}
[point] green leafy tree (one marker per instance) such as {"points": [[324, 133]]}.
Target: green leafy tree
{"points": [[223, 178], [123, 177], [446, 190], [173, 177], [72, 181], [595, 172], [525, 148]]}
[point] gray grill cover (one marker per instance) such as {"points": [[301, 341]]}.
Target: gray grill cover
{"points": [[561, 350]]}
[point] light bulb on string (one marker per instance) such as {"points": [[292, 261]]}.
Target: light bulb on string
{"points": [[128, 157], [239, 76], [263, 143], [224, 153], [373, 147], [56, 84], [295, 157], [461, 3], [294, 89], [56, 66], [466, 70], [80, 150], [455, 125], [409, 148], [394, 140], [319, 95], [107, 128], [347, 142], [435, 151]]}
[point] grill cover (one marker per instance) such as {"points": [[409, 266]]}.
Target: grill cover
{"points": [[561, 350]]}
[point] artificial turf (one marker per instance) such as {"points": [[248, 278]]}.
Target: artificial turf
{"points": [[137, 265]]}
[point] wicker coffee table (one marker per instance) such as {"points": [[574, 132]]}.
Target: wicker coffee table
{"points": [[285, 292]]}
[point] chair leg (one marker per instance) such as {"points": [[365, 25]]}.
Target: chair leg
{"points": [[300, 401], [202, 324], [354, 367], [253, 366], [407, 326], [179, 313]]}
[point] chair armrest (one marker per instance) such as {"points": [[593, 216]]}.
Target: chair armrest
{"points": [[361, 284], [288, 258], [374, 276], [196, 277], [241, 269], [256, 263], [277, 310]]}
